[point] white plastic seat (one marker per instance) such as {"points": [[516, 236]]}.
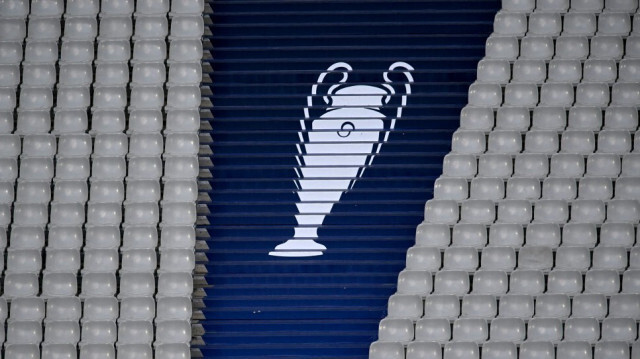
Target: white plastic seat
{"points": [[23, 332], [564, 282], [460, 350], [35, 98], [508, 329], [422, 349], [557, 95], [553, 306], [592, 94], [180, 167], [536, 47], [118, 7], [490, 282], [415, 282], [77, 97], [520, 188], [183, 50], [135, 332], [459, 165], [64, 237], [487, 188], [562, 70], [151, 168], [560, 187], [619, 329], [107, 191], [151, 7], [180, 190], [80, 28], [588, 211], [179, 237], [574, 349], [39, 145], [621, 5], [98, 332], [503, 47], [603, 165], [52, 8], [513, 119], [33, 192], [595, 188], [98, 285], [177, 120], [602, 281], [485, 95], [629, 70], [460, 258], [132, 351], [147, 97], [494, 71], [145, 121], [441, 307], [535, 258], [632, 47], [107, 97], [186, 26], [515, 211], [441, 211], [26, 237], [109, 168], [624, 306], [495, 165], [96, 351], [550, 211], [602, 71], [593, 6], [173, 331], [62, 260], [174, 285], [82, 7], [531, 165], [182, 351], [614, 23], [100, 260], [478, 211], [623, 211], [63, 309], [614, 141], [11, 146], [151, 50], [506, 234], [541, 141], [544, 329], [611, 349], [546, 24], [526, 282], [178, 213], [579, 24], [100, 309], [405, 306], [552, 5], [589, 306], [137, 285], [529, 71], [9, 75], [470, 330], [580, 142], [15, 9], [11, 52], [139, 237], [13, 30], [56, 351], [6, 122], [108, 121], [395, 330], [621, 118], [183, 97], [573, 258], [626, 187], [102, 237], [514, 306], [113, 50], [469, 235], [423, 258], [543, 235], [74, 145], [59, 285], [77, 51], [617, 235], [70, 121], [115, 27], [626, 94], [146, 144], [570, 47], [110, 145], [479, 306], [30, 214], [508, 142], [27, 309], [191, 72], [142, 191], [44, 28], [112, 74], [451, 282], [62, 332], [67, 214], [606, 47], [20, 285], [151, 74], [631, 281], [140, 309], [139, 260], [181, 144], [7, 194], [177, 260], [549, 119], [499, 350]]}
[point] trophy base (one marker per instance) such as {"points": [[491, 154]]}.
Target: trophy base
{"points": [[298, 248]]}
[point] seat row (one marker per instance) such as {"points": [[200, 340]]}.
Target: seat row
{"points": [[502, 350], [571, 23], [535, 255], [549, 142], [558, 119], [559, 70], [567, 47], [537, 166]]}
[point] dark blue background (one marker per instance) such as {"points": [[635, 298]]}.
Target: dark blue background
{"points": [[265, 57]]}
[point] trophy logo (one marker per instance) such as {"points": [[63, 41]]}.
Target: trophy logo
{"points": [[338, 140]]}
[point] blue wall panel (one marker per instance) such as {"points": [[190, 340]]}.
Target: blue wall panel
{"points": [[265, 56]]}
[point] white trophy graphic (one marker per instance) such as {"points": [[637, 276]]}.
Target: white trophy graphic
{"points": [[339, 144]]}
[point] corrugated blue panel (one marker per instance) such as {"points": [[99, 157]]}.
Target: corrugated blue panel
{"points": [[265, 57]]}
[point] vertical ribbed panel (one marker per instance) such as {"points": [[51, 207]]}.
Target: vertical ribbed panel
{"points": [[264, 58]]}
